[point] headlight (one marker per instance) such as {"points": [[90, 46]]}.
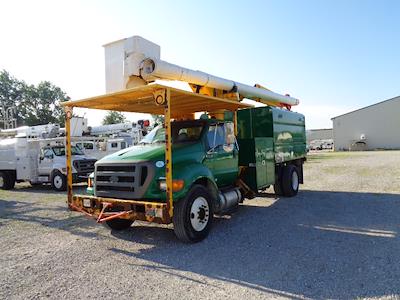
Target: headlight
{"points": [[177, 185]]}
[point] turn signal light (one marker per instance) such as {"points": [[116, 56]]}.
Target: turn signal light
{"points": [[177, 185], [90, 182]]}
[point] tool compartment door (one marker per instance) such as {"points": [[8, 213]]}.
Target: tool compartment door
{"points": [[265, 162]]}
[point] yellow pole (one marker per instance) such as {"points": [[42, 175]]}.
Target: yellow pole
{"points": [[168, 152], [68, 116]]}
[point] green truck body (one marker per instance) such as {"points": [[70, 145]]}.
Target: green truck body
{"points": [[267, 138], [213, 169]]}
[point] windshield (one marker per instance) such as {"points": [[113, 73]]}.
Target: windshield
{"points": [[181, 133], [60, 150]]}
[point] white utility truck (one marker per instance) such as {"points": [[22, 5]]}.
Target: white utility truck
{"points": [[36, 156], [99, 141]]}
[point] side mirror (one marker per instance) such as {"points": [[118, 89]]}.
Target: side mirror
{"points": [[41, 157]]}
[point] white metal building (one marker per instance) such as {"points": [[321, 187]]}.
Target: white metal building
{"points": [[319, 134], [373, 127]]}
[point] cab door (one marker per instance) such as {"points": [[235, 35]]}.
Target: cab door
{"points": [[46, 161], [222, 154]]}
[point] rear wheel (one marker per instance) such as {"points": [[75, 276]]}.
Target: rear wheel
{"points": [[7, 180], [290, 181], [58, 181], [119, 224], [193, 215], [278, 188]]}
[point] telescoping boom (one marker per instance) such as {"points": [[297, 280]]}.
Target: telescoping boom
{"points": [[142, 64]]}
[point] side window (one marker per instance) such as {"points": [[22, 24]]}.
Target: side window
{"points": [[88, 146], [48, 153], [220, 138], [211, 136], [114, 145], [123, 145], [216, 136]]}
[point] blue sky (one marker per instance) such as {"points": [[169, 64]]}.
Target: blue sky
{"points": [[334, 56]]}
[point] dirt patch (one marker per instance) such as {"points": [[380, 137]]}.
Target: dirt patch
{"points": [[339, 238]]}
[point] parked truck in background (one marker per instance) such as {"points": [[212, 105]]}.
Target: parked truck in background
{"points": [[39, 161]]}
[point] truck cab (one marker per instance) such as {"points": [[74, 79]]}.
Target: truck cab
{"points": [[203, 150], [52, 166]]}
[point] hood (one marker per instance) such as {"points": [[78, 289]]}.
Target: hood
{"points": [[81, 157], [156, 152]]}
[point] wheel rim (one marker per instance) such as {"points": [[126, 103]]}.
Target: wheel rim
{"points": [[199, 214], [295, 181], [1, 181], [58, 181]]}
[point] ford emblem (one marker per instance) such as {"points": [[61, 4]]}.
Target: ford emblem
{"points": [[114, 179]]}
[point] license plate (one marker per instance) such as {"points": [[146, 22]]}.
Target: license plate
{"points": [[87, 203]]}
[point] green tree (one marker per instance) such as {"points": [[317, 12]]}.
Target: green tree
{"points": [[113, 117], [35, 105], [42, 104], [12, 93]]}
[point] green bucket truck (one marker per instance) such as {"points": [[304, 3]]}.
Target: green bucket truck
{"points": [[187, 170]]}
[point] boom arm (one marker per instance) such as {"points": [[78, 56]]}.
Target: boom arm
{"points": [[136, 61], [152, 69]]}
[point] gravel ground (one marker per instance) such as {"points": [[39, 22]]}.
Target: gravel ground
{"points": [[339, 238]]}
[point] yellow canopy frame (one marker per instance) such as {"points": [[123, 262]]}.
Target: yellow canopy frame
{"points": [[153, 99]]}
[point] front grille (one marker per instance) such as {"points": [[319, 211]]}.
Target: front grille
{"points": [[84, 165], [122, 180]]}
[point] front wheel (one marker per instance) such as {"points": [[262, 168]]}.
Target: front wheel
{"points": [[7, 181], [193, 215], [58, 181]]}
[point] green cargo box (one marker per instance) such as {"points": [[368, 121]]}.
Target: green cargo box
{"points": [[268, 136]]}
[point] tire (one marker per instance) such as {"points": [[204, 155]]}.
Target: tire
{"points": [[278, 189], [119, 224], [193, 215], [7, 180], [290, 181], [58, 181]]}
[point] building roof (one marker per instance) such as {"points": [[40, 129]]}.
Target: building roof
{"points": [[391, 99], [319, 129]]}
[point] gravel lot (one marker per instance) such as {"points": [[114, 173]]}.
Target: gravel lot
{"points": [[339, 238]]}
